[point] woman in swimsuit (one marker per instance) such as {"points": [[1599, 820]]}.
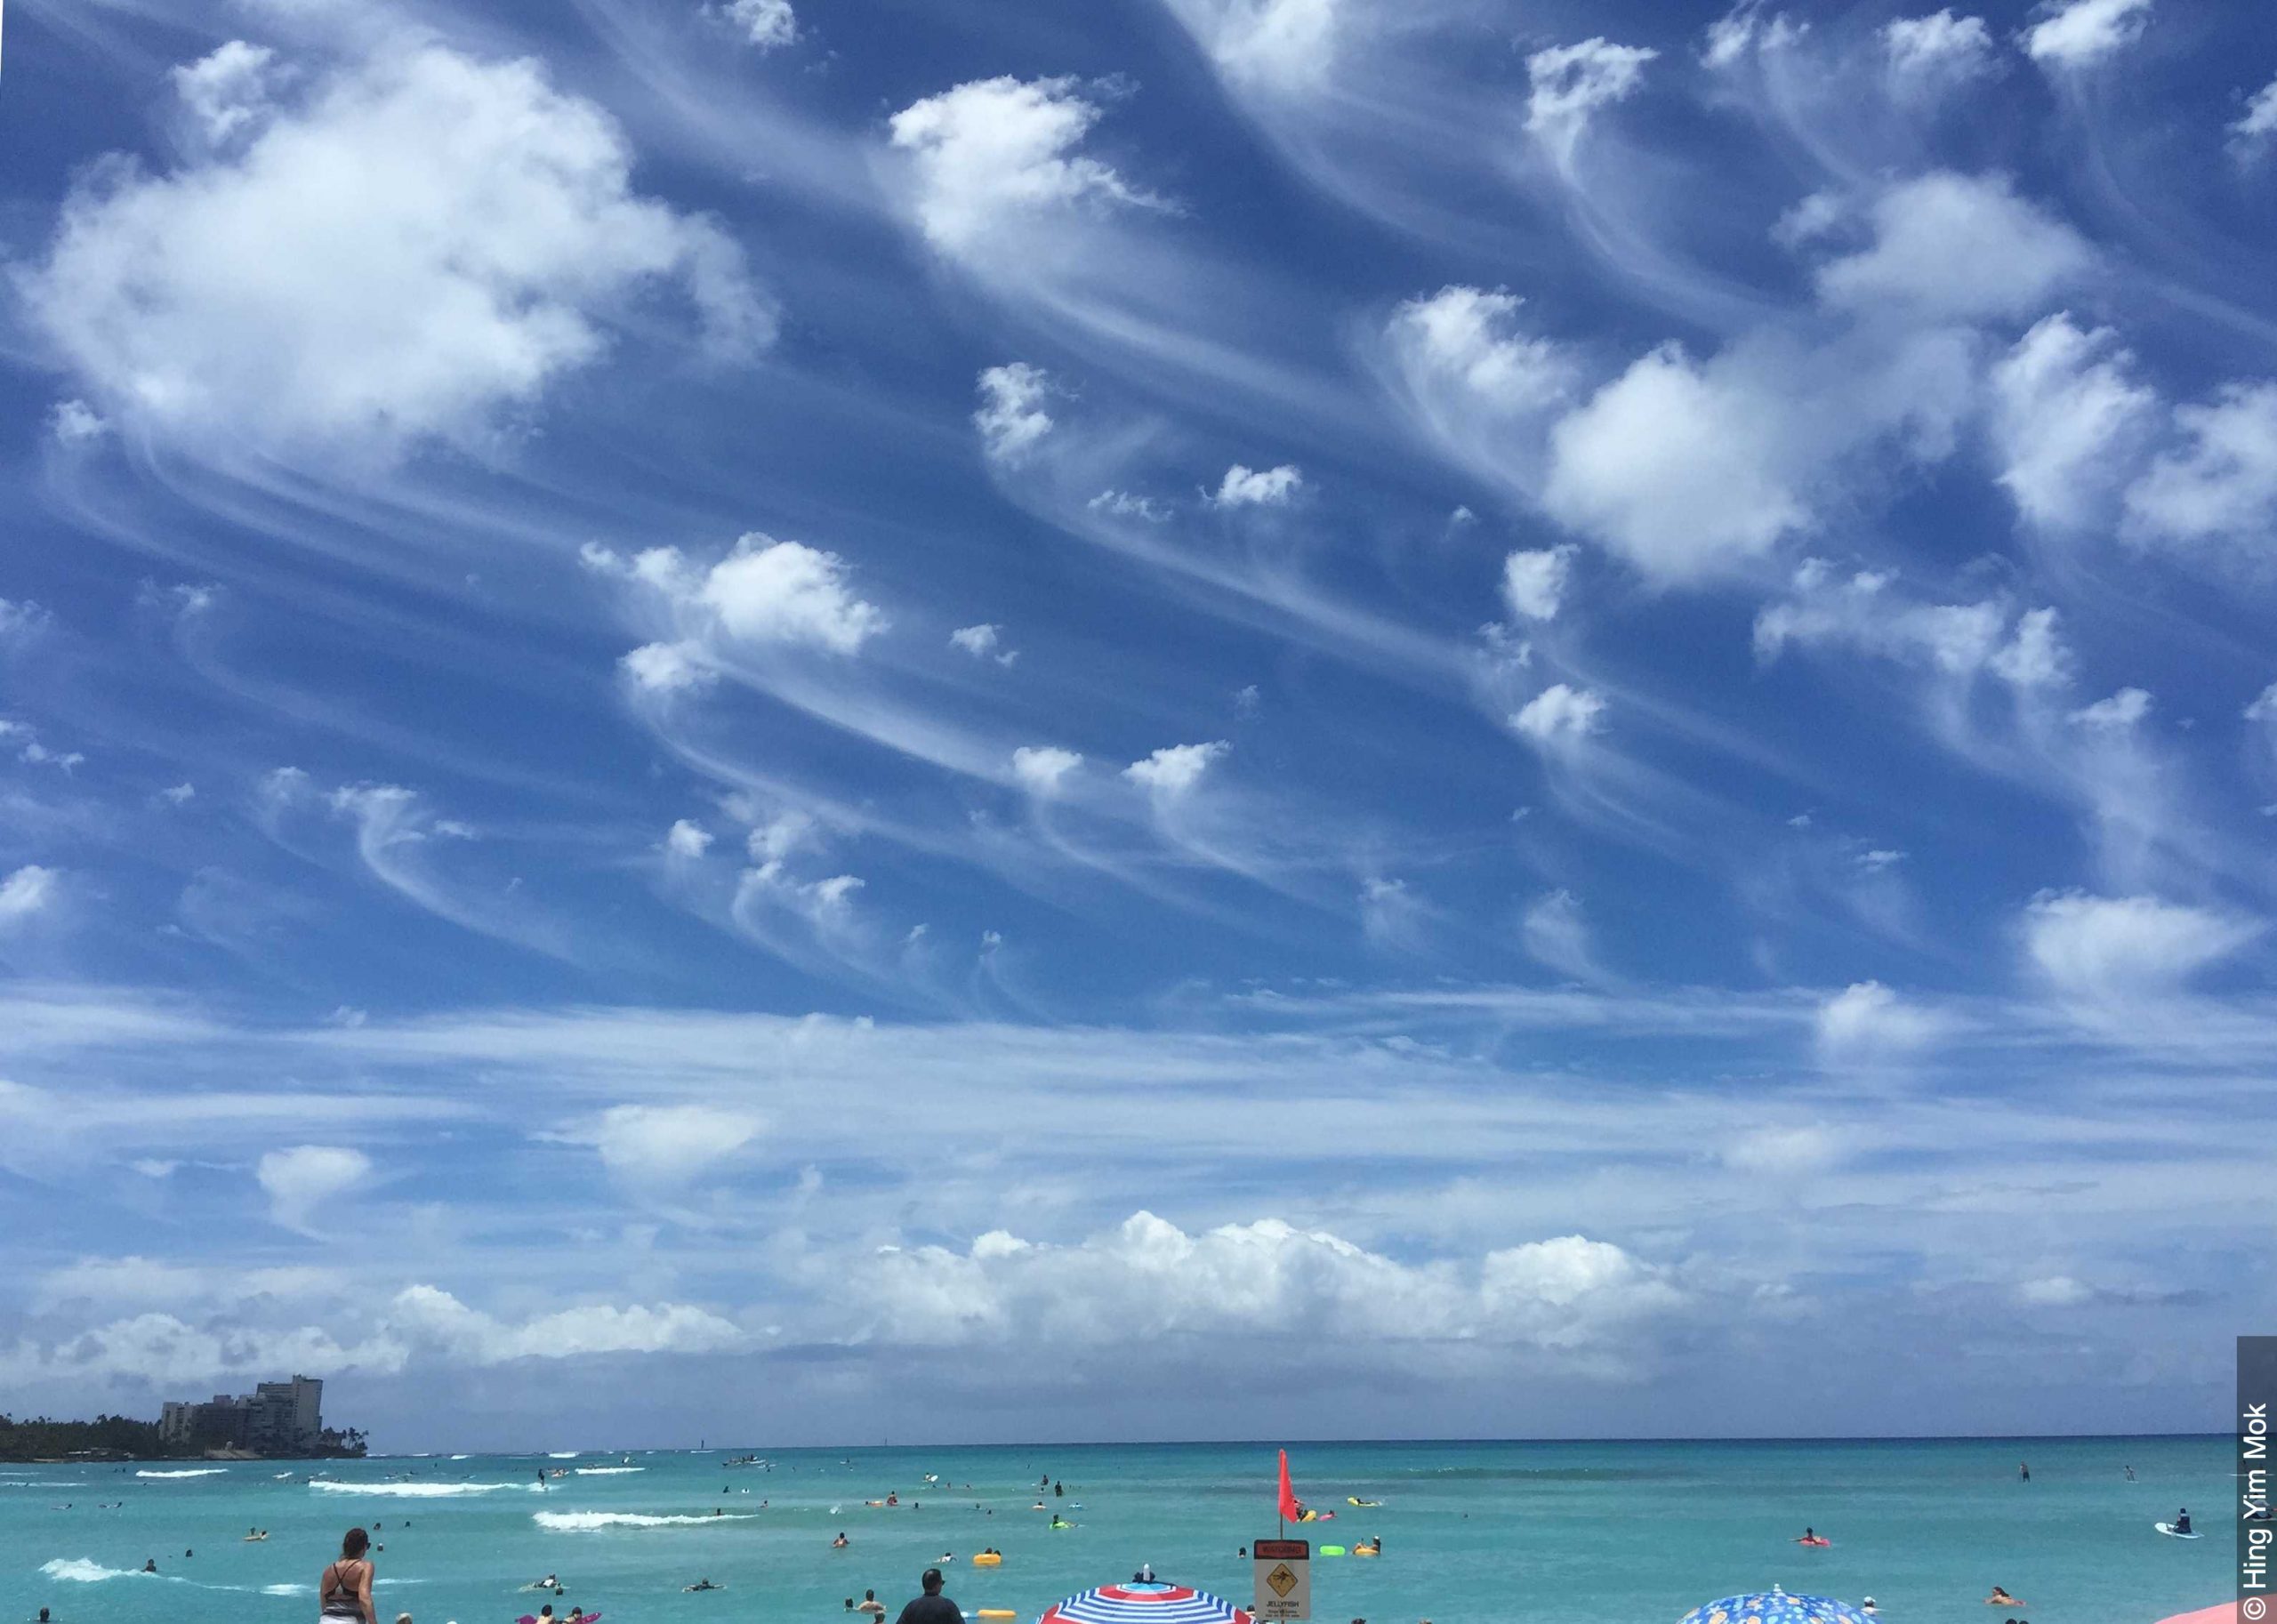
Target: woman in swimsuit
{"points": [[345, 1590]]}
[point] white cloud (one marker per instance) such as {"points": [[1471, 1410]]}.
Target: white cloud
{"points": [[1011, 418], [688, 840], [29, 890], [1122, 504], [1392, 917], [2222, 484], [1742, 28], [2264, 707], [1560, 711], [227, 93], [178, 795], [2257, 124], [1556, 933], [1269, 488], [1680, 470], [430, 1319], [766, 24], [21, 622], [301, 1181], [662, 1147], [75, 423], [1467, 339], [2067, 419], [1949, 245], [2114, 950], [994, 153], [1783, 1153], [1043, 769], [666, 668], [1284, 45], [984, 642], [1570, 83], [417, 247], [2035, 655], [1175, 770], [2053, 1292], [2120, 713], [1931, 55], [786, 592], [1534, 582], [1868, 1020], [1147, 1280], [2083, 32]]}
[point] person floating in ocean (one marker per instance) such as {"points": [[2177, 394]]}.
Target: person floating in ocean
{"points": [[2181, 1520], [892, 1499], [871, 1604], [1145, 1575], [2001, 1598], [839, 1544], [1374, 1545], [1810, 1537], [1058, 1522], [2130, 1473], [2024, 1471], [344, 1591], [932, 1607], [1868, 1605], [700, 1585], [1058, 1489], [150, 1564]]}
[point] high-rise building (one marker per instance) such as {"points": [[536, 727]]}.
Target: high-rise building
{"points": [[277, 1417]]}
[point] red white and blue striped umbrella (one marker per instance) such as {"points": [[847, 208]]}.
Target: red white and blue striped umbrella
{"points": [[1139, 1603]]}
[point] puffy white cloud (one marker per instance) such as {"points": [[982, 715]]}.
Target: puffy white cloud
{"points": [[2264, 707], [2257, 124], [666, 668], [2066, 420], [1949, 245], [2111, 950], [1570, 83], [686, 839], [992, 153], [1043, 769], [1534, 582], [1960, 640], [300, 1181], [984, 642], [1560, 711], [1931, 55], [2035, 655], [427, 1318], [227, 92], [1680, 471], [1011, 418], [1266, 488], [1149, 1280], [766, 24], [1467, 339], [1867, 1019], [2221, 485], [75, 423], [2083, 32], [664, 1146], [31, 890], [787, 593], [2120, 713], [422, 243], [1175, 770], [1283, 45]]}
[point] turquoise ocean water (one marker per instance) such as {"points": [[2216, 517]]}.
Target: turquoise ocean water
{"points": [[1526, 1533]]}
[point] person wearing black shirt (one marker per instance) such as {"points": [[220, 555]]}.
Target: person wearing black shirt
{"points": [[932, 1607]]}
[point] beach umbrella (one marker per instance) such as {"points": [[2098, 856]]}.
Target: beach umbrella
{"points": [[1775, 1607], [1138, 1603]]}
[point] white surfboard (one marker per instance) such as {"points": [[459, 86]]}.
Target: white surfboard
{"points": [[2169, 1531]]}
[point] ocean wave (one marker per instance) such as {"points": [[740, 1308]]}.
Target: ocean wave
{"points": [[79, 1571], [458, 1456], [202, 1471], [607, 1471], [565, 1454], [288, 1589], [594, 1522], [421, 1490]]}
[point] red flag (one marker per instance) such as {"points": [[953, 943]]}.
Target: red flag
{"points": [[1290, 1509]]}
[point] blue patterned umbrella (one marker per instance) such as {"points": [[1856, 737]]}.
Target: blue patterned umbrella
{"points": [[1143, 1603], [1775, 1607]]}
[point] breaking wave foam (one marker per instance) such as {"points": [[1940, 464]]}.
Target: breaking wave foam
{"points": [[422, 1491], [79, 1571], [594, 1522], [607, 1471], [202, 1471]]}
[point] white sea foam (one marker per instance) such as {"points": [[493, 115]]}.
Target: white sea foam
{"points": [[79, 1571], [594, 1522], [458, 1457], [422, 1491], [202, 1471], [565, 1454], [607, 1471], [286, 1590]]}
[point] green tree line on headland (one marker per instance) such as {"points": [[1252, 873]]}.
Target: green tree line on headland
{"points": [[120, 1437]]}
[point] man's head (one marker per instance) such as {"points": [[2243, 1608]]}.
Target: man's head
{"points": [[931, 1582]]}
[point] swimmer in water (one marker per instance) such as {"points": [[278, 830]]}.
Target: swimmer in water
{"points": [[839, 1544], [2001, 1598]]}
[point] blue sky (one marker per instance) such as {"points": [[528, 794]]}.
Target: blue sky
{"points": [[1179, 718]]}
